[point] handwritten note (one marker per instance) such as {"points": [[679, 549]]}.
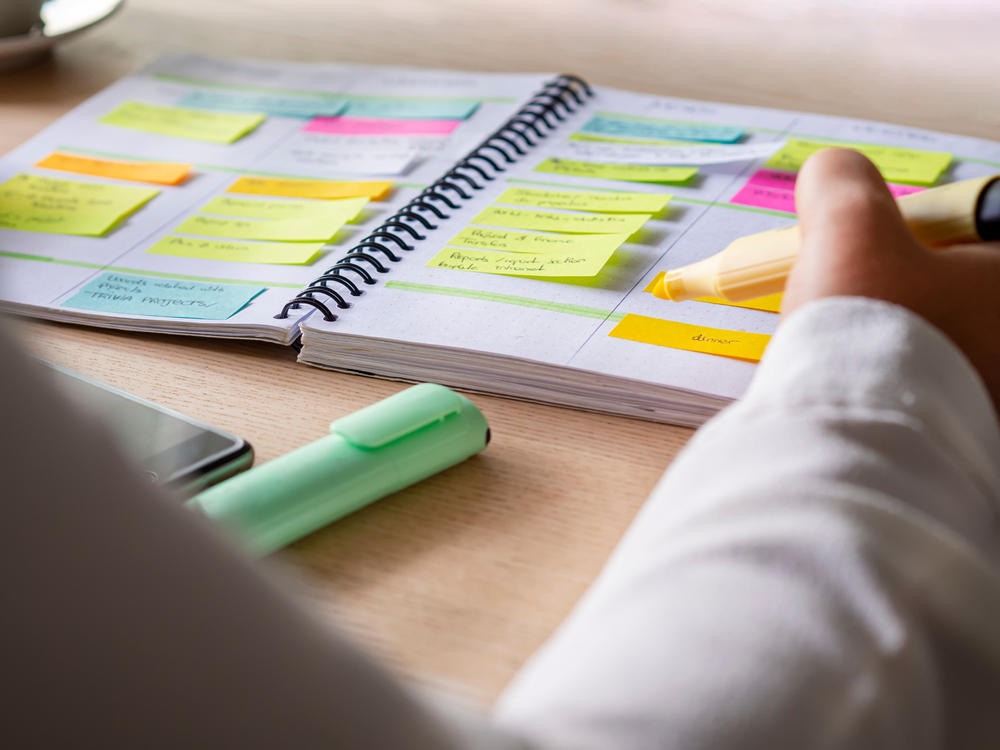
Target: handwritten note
{"points": [[279, 106], [415, 109], [546, 221], [321, 189], [282, 230], [343, 210], [179, 122], [621, 203], [662, 129], [527, 242], [628, 172], [127, 294], [45, 204], [285, 253], [896, 164], [688, 154], [159, 172], [379, 126], [569, 264], [775, 190], [669, 333]]}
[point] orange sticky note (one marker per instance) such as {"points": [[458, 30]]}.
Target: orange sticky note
{"points": [[770, 303], [158, 172], [719, 341], [298, 188]]}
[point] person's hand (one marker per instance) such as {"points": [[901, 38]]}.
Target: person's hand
{"points": [[854, 243]]}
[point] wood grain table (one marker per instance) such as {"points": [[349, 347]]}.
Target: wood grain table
{"points": [[457, 580]]}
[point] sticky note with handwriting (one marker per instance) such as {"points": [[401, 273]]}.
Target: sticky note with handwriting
{"points": [[907, 165], [584, 262], [627, 172], [608, 124], [538, 243], [280, 230], [548, 221], [181, 122], [284, 253], [129, 294], [343, 209], [279, 106], [775, 190], [413, 108], [346, 125], [669, 333], [302, 188], [158, 172], [622, 203]]}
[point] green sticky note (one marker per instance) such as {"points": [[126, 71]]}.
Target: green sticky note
{"points": [[413, 109], [648, 127], [566, 264], [280, 230], [46, 204], [128, 294], [546, 221], [527, 242], [630, 172], [592, 138], [280, 106], [343, 210], [623, 203], [284, 253], [201, 125], [906, 165]]}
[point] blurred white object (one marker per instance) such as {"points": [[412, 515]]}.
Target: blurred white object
{"points": [[61, 19]]}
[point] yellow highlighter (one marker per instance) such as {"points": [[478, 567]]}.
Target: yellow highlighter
{"points": [[759, 264]]}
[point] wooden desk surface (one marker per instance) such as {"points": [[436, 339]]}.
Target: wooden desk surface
{"points": [[456, 581]]}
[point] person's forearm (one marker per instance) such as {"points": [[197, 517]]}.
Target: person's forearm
{"points": [[806, 570]]}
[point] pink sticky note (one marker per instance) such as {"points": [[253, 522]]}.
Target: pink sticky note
{"points": [[774, 179], [775, 190], [379, 126]]}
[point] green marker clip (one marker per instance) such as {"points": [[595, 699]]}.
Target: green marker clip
{"points": [[369, 454]]}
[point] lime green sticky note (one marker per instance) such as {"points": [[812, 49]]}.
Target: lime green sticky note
{"points": [[566, 264], [547, 221], [630, 172], [906, 165], [622, 203], [343, 210], [46, 204], [180, 122], [527, 242], [285, 253], [281, 230]]}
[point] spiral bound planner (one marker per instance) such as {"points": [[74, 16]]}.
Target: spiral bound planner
{"points": [[491, 232]]}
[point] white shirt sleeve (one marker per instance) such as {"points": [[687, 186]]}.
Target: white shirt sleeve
{"points": [[816, 570]]}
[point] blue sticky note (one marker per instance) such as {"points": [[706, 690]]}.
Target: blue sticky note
{"points": [[413, 109], [278, 106], [127, 294], [667, 131]]}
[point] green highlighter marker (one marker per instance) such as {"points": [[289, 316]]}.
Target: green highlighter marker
{"points": [[369, 454]]}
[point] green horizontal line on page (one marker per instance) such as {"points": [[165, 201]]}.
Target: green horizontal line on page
{"points": [[237, 170], [327, 94], [144, 272], [507, 299], [661, 120]]}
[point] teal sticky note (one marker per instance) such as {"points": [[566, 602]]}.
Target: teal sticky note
{"points": [[413, 109], [664, 130], [128, 294], [278, 106]]}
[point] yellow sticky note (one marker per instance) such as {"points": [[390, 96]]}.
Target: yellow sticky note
{"points": [[180, 122], [719, 341], [580, 263], [546, 221], [322, 189], [285, 253], [159, 172], [630, 172], [255, 208], [769, 303], [622, 203], [896, 164], [526, 242], [281, 230], [45, 204]]}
